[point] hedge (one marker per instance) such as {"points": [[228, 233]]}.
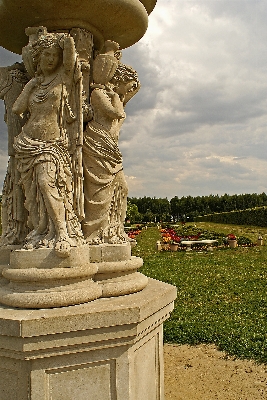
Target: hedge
{"points": [[252, 216]]}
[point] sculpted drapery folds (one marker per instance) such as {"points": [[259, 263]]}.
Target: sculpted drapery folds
{"points": [[105, 187], [69, 171], [45, 148], [14, 214]]}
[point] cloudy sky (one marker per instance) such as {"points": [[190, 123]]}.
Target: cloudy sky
{"points": [[198, 126]]}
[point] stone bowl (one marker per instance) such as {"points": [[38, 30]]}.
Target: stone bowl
{"points": [[123, 21], [105, 65], [104, 68]]}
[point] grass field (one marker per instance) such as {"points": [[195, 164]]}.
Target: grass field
{"points": [[222, 295]]}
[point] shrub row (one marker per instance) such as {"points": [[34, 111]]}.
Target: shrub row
{"points": [[252, 216]]}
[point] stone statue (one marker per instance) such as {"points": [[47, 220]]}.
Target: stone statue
{"points": [[14, 214], [58, 339], [67, 166], [105, 187], [48, 138]]}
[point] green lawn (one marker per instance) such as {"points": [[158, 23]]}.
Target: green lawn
{"points": [[222, 295]]}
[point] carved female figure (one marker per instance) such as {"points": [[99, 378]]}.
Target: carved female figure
{"points": [[105, 187], [42, 146], [14, 215]]}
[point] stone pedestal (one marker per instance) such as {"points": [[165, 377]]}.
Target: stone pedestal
{"points": [[108, 349]]}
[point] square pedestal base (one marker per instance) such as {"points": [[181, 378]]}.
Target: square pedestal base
{"points": [[108, 349]]}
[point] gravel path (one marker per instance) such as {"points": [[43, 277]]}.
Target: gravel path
{"points": [[204, 373]]}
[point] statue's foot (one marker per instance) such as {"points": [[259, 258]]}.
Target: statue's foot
{"points": [[32, 240], [28, 246], [62, 247], [49, 240], [116, 240], [125, 238], [50, 235], [31, 235], [119, 238], [93, 240], [47, 243], [5, 241]]}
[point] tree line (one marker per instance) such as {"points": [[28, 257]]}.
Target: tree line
{"points": [[147, 209], [152, 209]]}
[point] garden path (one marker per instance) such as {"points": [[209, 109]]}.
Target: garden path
{"points": [[204, 373]]}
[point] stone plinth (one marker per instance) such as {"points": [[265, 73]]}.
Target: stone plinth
{"points": [[108, 349], [117, 270], [40, 279]]}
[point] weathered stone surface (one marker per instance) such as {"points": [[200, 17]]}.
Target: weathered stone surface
{"points": [[110, 252], [105, 187], [117, 269], [106, 349], [65, 185], [124, 21], [66, 342], [38, 278], [14, 214]]}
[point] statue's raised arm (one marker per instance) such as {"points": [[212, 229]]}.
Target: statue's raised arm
{"points": [[69, 55]]}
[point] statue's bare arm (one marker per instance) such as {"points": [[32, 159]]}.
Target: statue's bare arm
{"points": [[21, 104], [109, 103], [69, 55]]}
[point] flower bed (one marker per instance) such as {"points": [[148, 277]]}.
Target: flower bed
{"points": [[134, 232], [177, 234]]}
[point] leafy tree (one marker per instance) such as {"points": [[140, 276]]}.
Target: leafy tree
{"points": [[161, 209], [132, 213]]}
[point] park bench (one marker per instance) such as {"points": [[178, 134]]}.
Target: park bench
{"points": [[188, 243]]}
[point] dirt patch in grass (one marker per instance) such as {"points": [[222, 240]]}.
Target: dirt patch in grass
{"points": [[204, 373]]}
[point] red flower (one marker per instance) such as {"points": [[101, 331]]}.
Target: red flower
{"points": [[231, 236], [175, 238]]}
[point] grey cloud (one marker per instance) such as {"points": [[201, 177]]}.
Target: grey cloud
{"points": [[202, 67], [221, 97], [205, 106], [8, 58], [148, 74], [240, 9], [229, 169]]}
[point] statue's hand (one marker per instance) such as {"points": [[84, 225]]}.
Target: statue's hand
{"points": [[111, 94], [32, 83], [61, 40], [114, 97]]}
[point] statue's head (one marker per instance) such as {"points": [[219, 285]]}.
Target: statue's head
{"points": [[46, 53], [125, 81]]}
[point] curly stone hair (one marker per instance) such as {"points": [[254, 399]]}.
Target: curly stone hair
{"points": [[125, 73], [44, 42]]}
